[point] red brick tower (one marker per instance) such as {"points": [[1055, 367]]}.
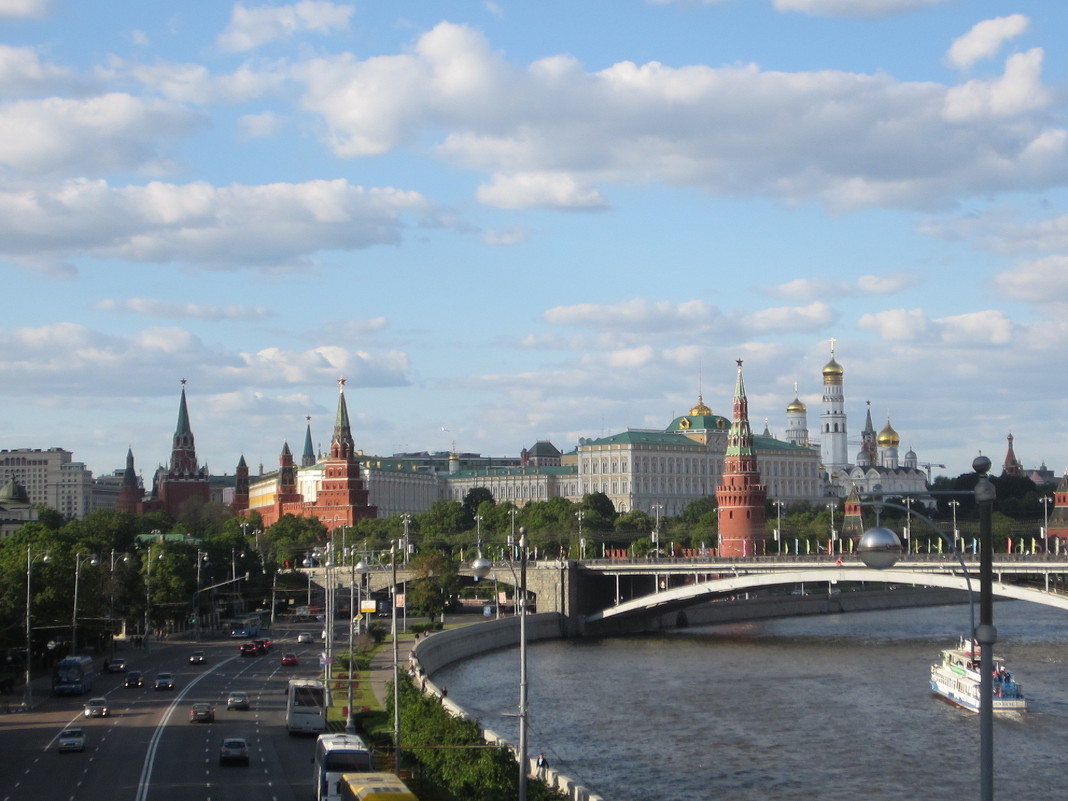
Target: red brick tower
{"points": [[240, 503], [342, 498], [183, 480], [1058, 519], [1012, 465], [131, 493], [741, 496]]}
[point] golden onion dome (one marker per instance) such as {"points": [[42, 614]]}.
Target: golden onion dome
{"points": [[888, 437], [832, 368], [700, 408], [796, 406]]}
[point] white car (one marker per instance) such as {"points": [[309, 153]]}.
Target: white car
{"points": [[71, 740], [97, 708], [305, 636]]}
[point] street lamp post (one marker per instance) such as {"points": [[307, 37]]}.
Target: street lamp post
{"points": [[202, 559], [579, 515], [834, 534], [27, 698], [778, 524], [396, 662], [954, 505], [523, 760], [880, 548], [1046, 501], [111, 603], [355, 569], [78, 561]]}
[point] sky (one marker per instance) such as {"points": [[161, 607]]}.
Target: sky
{"points": [[504, 222]]}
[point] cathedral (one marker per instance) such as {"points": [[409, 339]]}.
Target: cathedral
{"points": [[877, 467]]}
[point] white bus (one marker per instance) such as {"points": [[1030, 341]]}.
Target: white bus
{"points": [[306, 706], [335, 755]]}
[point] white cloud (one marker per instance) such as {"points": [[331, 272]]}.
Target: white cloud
{"points": [[552, 134], [897, 325], [90, 135], [256, 126], [1041, 281], [252, 27], [511, 236], [234, 227], [24, 9], [853, 8], [813, 317], [821, 288], [1017, 92], [984, 40], [191, 311], [539, 190], [22, 72], [194, 84], [637, 315], [977, 330]]}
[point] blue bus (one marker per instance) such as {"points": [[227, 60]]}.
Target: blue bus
{"points": [[245, 627], [73, 676]]}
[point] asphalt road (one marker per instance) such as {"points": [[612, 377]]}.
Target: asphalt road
{"points": [[147, 750]]}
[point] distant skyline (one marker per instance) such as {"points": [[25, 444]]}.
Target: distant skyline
{"points": [[504, 222]]}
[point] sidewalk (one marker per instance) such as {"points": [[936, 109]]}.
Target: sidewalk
{"points": [[382, 666]]}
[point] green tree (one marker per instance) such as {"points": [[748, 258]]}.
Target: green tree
{"points": [[441, 520], [434, 585], [292, 538], [475, 497]]}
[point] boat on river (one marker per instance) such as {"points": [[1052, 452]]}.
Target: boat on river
{"points": [[957, 675]]}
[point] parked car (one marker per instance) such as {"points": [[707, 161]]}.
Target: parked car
{"points": [[164, 681], [249, 649], [135, 678], [233, 749], [197, 658], [237, 700], [97, 708], [115, 665], [201, 713], [71, 740], [305, 636], [290, 660]]}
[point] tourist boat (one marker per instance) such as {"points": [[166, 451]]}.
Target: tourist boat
{"points": [[956, 678]]}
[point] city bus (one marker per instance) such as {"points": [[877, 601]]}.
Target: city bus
{"points": [[336, 754], [245, 627], [73, 676], [306, 706], [374, 787]]}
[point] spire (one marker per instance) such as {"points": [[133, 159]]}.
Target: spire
{"points": [[183, 448], [740, 437], [308, 459], [342, 444], [182, 428], [1012, 465]]}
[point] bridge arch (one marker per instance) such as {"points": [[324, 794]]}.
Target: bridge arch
{"points": [[692, 594]]}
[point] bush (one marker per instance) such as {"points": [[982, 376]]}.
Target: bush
{"points": [[450, 753]]}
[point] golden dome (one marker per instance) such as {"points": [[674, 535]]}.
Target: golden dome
{"points": [[888, 437], [700, 408], [796, 406], [832, 368]]}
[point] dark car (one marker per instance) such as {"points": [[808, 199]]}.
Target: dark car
{"points": [[233, 749], [115, 665], [164, 681], [198, 658], [249, 649], [237, 700], [262, 646], [201, 713], [135, 678]]}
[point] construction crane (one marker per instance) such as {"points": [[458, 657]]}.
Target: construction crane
{"points": [[928, 466]]}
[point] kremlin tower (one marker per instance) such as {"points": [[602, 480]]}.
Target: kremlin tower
{"points": [[741, 496]]}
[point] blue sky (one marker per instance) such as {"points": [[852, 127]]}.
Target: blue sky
{"points": [[510, 221]]}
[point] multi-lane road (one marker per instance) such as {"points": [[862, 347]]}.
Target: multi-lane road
{"points": [[147, 750]]}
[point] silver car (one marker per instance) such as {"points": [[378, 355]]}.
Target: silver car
{"points": [[71, 740], [97, 708]]}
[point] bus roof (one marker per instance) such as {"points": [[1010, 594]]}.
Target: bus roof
{"points": [[376, 787], [348, 741]]}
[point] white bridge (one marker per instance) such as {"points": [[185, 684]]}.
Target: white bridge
{"points": [[675, 584]]}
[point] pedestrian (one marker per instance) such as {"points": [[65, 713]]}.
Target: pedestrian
{"points": [[542, 766]]}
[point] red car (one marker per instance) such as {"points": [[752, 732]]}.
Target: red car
{"points": [[290, 660], [249, 649]]}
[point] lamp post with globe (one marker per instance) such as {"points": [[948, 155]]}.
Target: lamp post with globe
{"points": [[879, 549]]}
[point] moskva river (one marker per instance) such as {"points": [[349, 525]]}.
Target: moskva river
{"points": [[821, 708]]}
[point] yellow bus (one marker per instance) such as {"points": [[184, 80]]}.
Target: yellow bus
{"points": [[374, 787]]}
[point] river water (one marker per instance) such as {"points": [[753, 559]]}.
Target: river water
{"points": [[830, 707]]}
